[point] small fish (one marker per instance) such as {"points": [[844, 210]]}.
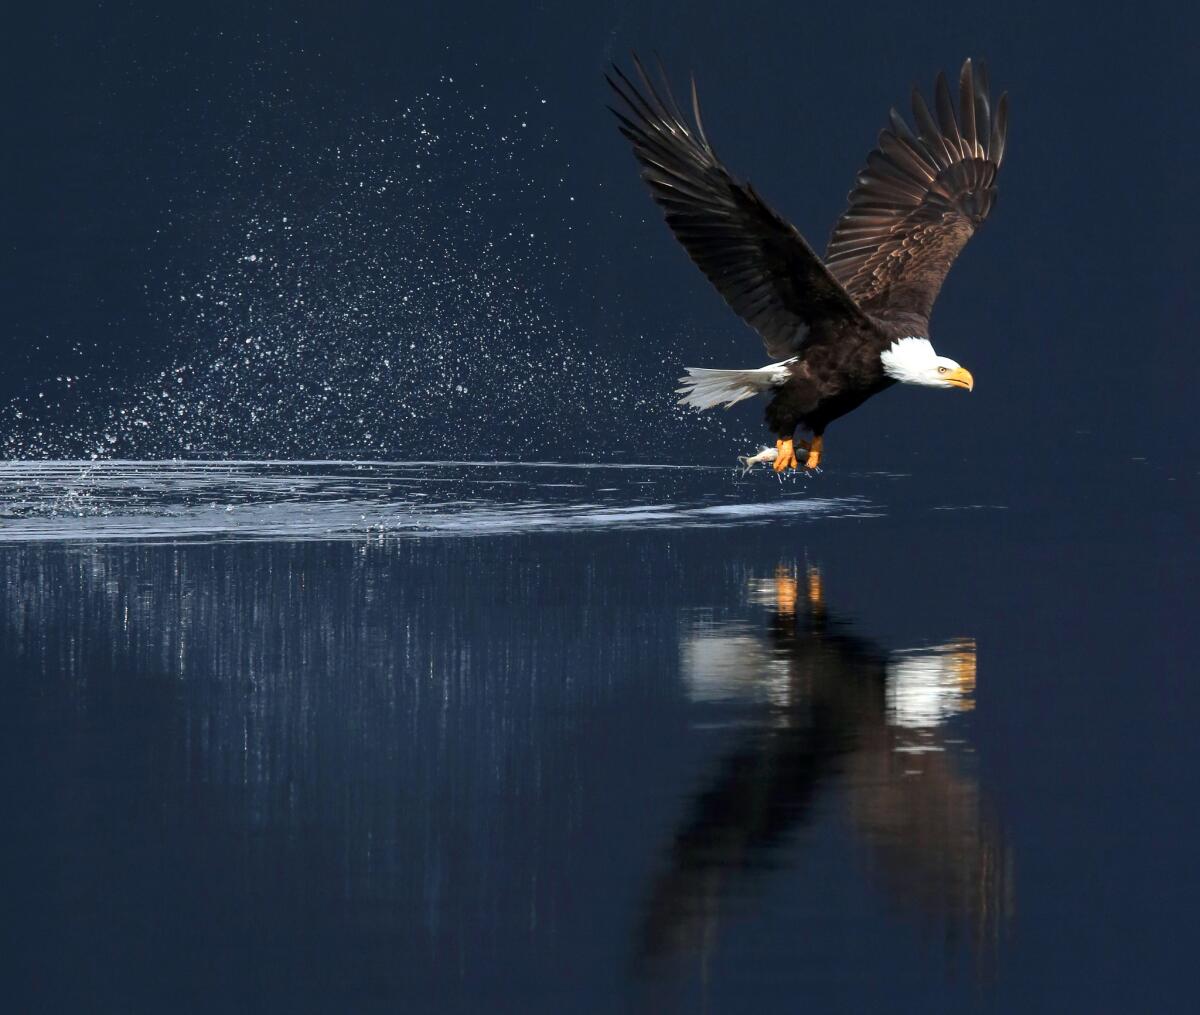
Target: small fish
{"points": [[764, 457]]}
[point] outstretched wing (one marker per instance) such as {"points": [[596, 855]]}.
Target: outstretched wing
{"points": [[920, 198], [759, 262]]}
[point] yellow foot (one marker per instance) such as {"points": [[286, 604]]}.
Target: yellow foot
{"points": [[814, 453], [786, 459]]}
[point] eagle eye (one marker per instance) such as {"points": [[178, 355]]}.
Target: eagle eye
{"points": [[941, 370]]}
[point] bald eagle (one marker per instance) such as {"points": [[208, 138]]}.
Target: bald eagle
{"points": [[842, 328]]}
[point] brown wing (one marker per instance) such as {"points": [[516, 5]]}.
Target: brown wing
{"points": [[759, 262], [920, 198]]}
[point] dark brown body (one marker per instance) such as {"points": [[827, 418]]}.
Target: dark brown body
{"points": [[838, 369]]}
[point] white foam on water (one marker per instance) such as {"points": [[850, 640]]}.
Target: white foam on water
{"points": [[72, 501]]}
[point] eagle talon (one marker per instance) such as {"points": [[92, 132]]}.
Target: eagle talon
{"points": [[786, 456], [814, 454]]}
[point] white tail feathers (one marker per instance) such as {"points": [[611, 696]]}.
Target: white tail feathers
{"points": [[703, 388]]}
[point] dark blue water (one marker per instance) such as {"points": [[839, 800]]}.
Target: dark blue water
{"points": [[442, 738]]}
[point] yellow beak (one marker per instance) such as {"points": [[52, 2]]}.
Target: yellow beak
{"points": [[961, 378]]}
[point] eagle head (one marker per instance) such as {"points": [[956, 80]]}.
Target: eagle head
{"points": [[913, 361]]}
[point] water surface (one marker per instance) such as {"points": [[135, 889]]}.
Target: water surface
{"points": [[451, 737]]}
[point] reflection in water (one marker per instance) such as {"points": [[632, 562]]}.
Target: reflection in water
{"points": [[839, 714], [341, 772], [310, 774]]}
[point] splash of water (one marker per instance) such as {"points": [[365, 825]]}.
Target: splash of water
{"points": [[387, 287]]}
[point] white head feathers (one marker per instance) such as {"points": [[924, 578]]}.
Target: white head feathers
{"points": [[913, 361]]}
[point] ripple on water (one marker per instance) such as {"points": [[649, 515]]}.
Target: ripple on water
{"points": [[172, 500]]}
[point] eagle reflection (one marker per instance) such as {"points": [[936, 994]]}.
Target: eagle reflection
{"points": [[839, 712]]}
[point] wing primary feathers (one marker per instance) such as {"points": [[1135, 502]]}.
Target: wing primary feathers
{"points": [[896, 175], [633, 99], [661, 111], [901, 128], [999, 131], [906, 158], [676, 112], [930, 134], [945, 111], [696, 116], [920, 197], [759, 262], [966, 105], [983, 112], [903, 136]]}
